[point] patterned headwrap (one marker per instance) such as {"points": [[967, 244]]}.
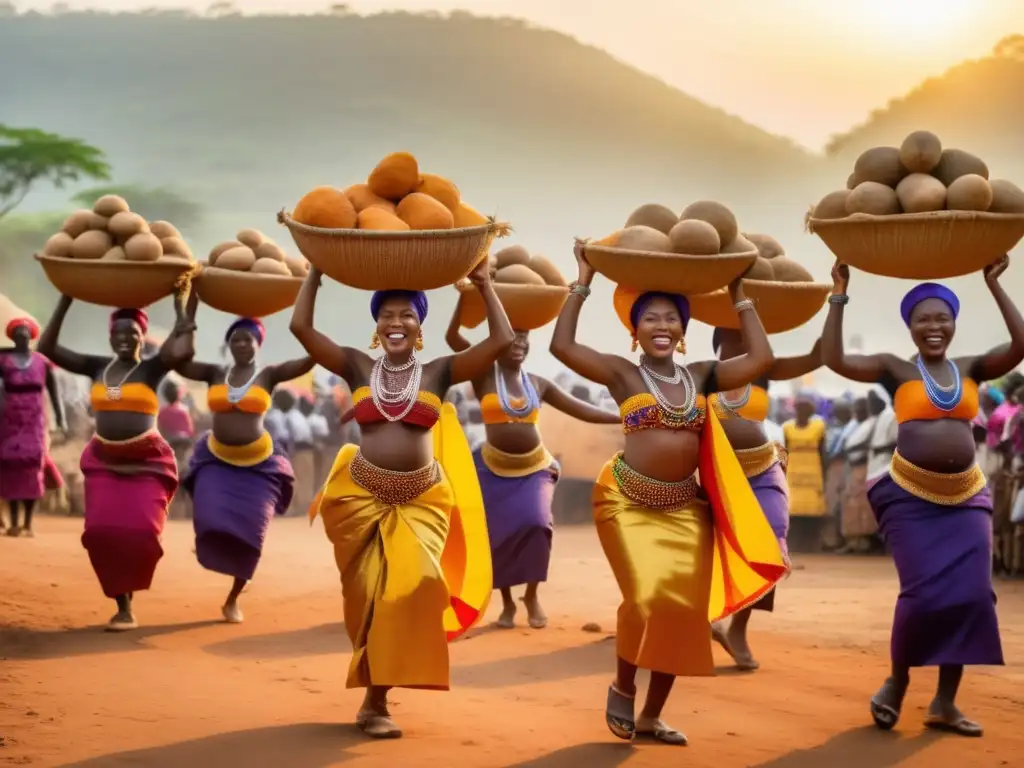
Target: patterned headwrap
{"points": [[630, 305], [23, 322], [926, 291], [418, 299], [137, 316], [250, 324]]}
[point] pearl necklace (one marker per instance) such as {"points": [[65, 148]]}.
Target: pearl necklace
{"points": [[674, 379], [532, 400], [739, 402], [944, 398], [675, 410], [114, 391], [384, 374]]}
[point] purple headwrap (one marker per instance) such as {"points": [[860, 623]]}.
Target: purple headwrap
{"points": [[418, 299], [644, 300], [926, 291], [250, 324]]}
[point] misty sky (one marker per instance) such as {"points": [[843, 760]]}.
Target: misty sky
{"points": [[801, 68]]}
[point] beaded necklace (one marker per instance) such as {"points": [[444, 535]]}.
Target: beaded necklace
{"points": [[383, 377], [532, 400], [944, 398], [673, 414]]}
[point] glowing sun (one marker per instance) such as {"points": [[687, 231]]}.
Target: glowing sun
{"points": [[911, 20]]}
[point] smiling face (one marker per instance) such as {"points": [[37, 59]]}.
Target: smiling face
{"points": [[932, 327], [517, 351], [126, 340], [398, 325], [243, 345], [659, 328]]}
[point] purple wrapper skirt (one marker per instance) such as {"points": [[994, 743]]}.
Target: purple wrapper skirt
{"points": [[772, 493]]}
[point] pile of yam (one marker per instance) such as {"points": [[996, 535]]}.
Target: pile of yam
{"points": [[773, 264], [515, 265], [704, 228], [920, 176], [112, 232], [396, 197], [252, 251]]}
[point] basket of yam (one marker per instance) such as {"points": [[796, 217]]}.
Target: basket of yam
{"points": [[783, 291], [697, 252], [250, 276], [531, 289], [920, 212], [113, 257], [402, 229]]}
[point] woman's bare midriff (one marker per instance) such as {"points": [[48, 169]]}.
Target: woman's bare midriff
{"points": [[943, 445], [513, 438], [744, 434], [237, 427], [123, 425], [397, 446], [663, 454]]}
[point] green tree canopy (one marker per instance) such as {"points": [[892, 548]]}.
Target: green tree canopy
{"points": [[29, 156], [152, 203]]}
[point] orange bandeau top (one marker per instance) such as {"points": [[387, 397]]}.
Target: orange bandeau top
{"points": [[256, 400], [425, 411], [755, 409], [492, 412], [136, 397], [911, 403], [642, 411]]}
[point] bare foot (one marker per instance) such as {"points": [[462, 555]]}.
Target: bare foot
{"points": [[232, 613], [14, 531], [507, 619], [28, 533], [122, 621], [537, 618], [744, 657]]}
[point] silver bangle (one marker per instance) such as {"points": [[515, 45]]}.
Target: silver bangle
{"points": [[839, 298], [739, 306], [579, 289]]}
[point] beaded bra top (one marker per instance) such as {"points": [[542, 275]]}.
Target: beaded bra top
{"points": [[753, 405], [642, 411], [424, 413]]}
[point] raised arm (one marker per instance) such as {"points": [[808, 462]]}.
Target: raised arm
{"points": [[1001, 360], [456, 341], [53, 392], [867, 369], [474, 362], [789, 368], [290, 369], [73, 362], [743, 369], [595, 366], [560, 400], [180, 347], [324, 352]]}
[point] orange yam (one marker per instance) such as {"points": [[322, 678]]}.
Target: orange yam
{"points": [[362, 197], [442, 190], [326, 207], [421, 211], [396, 176], [468, 216], [381, 220]]}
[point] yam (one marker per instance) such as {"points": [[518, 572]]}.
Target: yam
{"points": [[144, 246], [77, 223], [956, 163], [396, 176], [269, 250], [881, 165], [519, 274], [115, 254], [788, 271], [638, 238], [91, 244], [441, 189], [270, 267], [852, 181], [832, 205], [546, 268], [240, 259], [512, 254], [761, 269], [1007, 197], [920, 193], [921, 152], [164, 229], [59, 245], [110, 205], [381, 220], [421, 212], [655, 216], [325, 207], [740, 245], [468, 216], [695, 237], [969, 193], [217, 250], [873, 198], [98, 222], [250, 237], [767, 246], [715, 214], [175, 246], [297, 266], [362, 197], [125, 224]]}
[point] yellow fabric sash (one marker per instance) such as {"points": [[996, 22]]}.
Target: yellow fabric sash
{"points": [[248, 455], [516, 464]]}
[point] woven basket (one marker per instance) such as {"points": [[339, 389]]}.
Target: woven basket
{"points": [[126, 284], [246, 294], [921, 246], [528, 307], [781, 306], [670, 272], [420, 260]]}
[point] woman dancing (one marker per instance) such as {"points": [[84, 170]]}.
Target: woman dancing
{"points": [[238, 477], [129, 469], [742, 414], [517, 474], [933, 506], [389, 503], [24, 376], [677, 563]]}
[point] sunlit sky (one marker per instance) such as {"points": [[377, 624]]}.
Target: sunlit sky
{"points": [[801, 68]]}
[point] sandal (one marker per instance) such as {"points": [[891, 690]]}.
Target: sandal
{"points": [[661, 732], [618, 714], [377, 725], [884, 713], [959, 725]]}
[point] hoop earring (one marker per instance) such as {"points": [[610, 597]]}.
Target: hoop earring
{"points": [[418, 344], [681, 346], [635, 345], [374, 341]]}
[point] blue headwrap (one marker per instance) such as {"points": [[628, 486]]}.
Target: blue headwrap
{"points": [[250, 324], [418, 299], [926, 291], [643, 301], [995, 393]]}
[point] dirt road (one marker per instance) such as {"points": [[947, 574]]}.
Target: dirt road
{"points": [[187, 691]]}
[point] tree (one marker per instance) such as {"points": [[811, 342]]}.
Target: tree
{"points": [[152, 203], [29, 156]]}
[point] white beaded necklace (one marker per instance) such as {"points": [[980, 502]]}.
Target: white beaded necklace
{"points": [[384, 374], [681, 375]]}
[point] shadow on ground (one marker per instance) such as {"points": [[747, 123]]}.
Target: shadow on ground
{"points": [[857, 748], [21, 644], [311, 641]]}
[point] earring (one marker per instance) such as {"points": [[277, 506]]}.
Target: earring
{"points": [[374, 341], [681, 347], [418, 344], [635, 344]]}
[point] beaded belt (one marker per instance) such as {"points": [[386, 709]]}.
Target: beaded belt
{"points": [[757, 461], [651, 493], [515, 464], [393, 487], [949, 490]]}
